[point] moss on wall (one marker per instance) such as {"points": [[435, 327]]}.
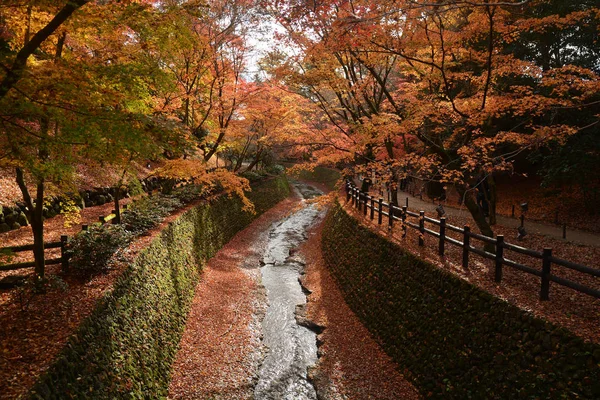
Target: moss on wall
{"points": [[452, 339], [127, 346]]}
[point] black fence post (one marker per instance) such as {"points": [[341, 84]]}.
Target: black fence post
{"points": [[421, 228], [546, 263], [391, 215], [407, 202], [404, 209], [499, 257], [372, 208], [442, 236], [564, 231], [64, 260], [466, 247], [380, 216], [365, 203]]}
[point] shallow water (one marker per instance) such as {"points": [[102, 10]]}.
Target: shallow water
{"points": [[291, 348]]}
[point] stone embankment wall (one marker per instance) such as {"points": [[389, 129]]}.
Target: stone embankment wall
{"points": [[453, 340]]}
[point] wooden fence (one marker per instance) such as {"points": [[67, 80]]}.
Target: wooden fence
{"points": [[369, 205], [63, 260]]}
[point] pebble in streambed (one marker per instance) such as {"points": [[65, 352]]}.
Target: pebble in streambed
{"points": [[291, 348]]}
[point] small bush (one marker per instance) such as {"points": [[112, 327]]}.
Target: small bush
{"points": [[275, 169], [251, 176], [188, 193], [91, 252], [148, 212]]}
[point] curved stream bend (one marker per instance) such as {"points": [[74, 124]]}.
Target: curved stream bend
{"points": [[291, 348]]}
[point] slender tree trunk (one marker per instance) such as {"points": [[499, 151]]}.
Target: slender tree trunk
{"points": [[393, 184], [493, 199], [255, 161], [37, 226], [35, 214], [477, 215], [117, 192]]}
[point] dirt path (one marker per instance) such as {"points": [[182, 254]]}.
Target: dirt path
{"points": [[554, 231]]}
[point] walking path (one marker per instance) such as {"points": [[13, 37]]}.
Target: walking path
{"points": [[554, 231]]}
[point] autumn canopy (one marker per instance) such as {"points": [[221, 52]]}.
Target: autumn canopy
{"points": [[452, 93]]}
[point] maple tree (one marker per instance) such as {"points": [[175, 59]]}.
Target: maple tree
{"points": [[437, 91], [109, 83], [82, 99]]}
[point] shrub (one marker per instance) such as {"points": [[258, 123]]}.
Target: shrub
{"points": [[148, 212], [251, 176], [188, 193], [275, 169], [92, 251]]}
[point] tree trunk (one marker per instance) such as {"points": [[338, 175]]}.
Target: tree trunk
{"points": [[255, 161], [35, 214], [477, 215], [117, 192], [37, 226], [493, 198]]}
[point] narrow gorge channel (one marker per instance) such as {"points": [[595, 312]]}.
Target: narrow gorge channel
{"points": [[290, 348]]}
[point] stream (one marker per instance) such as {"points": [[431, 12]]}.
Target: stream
{"points": [[291, 348]]}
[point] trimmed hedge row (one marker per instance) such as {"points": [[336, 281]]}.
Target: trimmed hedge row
{"points": [[125, 349], [452, 339]]}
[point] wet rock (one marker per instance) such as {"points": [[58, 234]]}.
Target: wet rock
{"points": [[302, 320]]}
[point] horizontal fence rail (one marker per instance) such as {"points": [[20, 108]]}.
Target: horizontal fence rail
{"points": [[363, 202], [63, 259]]}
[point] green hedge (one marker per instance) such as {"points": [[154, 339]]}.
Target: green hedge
{"points": [[127, 346], [452, 339]]}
